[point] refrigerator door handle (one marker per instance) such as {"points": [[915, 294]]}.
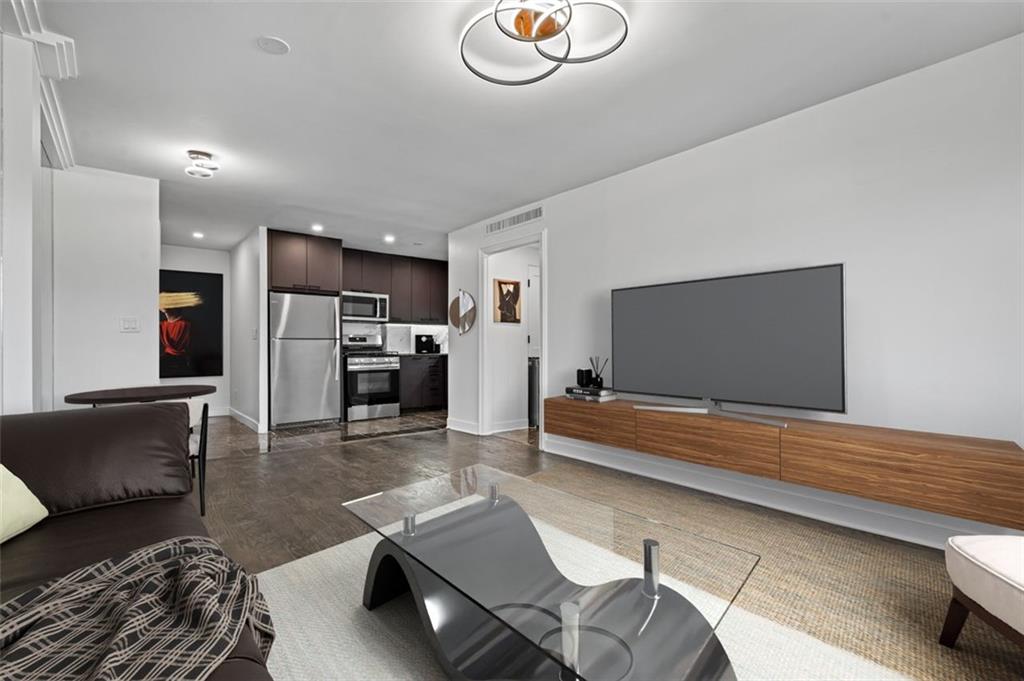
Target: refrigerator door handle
{"points": [[337, 360]]}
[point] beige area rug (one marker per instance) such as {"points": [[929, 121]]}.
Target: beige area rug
{"points": [[880, 600], [324, 632]]}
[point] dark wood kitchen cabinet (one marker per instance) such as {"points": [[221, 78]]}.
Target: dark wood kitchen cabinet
{"points": [[410, 383], [323, 264], [287, 259], [352, 270], [429, 297], [401, 289], [418, 287], [422, 281], [376, 272], [439, 291], [423, 382], [299, 262]]}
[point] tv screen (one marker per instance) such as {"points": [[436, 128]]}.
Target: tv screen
{"points": [[774, 338]]}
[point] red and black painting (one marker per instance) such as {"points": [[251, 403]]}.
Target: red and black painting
{"points": [[191, 324]]}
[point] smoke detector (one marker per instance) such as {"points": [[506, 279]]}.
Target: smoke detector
{"points": [[273, 45]]}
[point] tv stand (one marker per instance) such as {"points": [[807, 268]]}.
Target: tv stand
{"points": [[967, 477], [713, 408]]}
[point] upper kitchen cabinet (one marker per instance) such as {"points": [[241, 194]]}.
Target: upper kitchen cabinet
{"points": [[439, 292], [376, 272], [418, 287], [323, 264], [352, 270], [401, 289], [367, 271], [422, 282], [429, 291], [304, 263]]}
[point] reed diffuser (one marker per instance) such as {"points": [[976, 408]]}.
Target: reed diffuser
{"points": [[598, 367]]}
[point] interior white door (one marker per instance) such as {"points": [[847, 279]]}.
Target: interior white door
{"points": [[533, 315]]}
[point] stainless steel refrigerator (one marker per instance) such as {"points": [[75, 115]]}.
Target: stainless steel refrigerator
{"points": [[305, 358]]}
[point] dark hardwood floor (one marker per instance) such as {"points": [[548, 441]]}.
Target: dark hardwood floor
{"points": [[270, 504]]}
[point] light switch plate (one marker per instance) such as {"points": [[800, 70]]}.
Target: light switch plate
{"points": [[129, 325]]}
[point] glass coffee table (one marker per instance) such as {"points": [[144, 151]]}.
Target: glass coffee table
{"points": [[516, 580]]}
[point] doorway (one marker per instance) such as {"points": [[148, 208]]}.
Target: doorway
{"points": [[512, 343]]}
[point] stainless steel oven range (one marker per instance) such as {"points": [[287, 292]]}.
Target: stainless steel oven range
{"points": [[371, 379]]}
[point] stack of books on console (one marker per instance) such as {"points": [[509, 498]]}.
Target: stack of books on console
{"points": [[575, 392]]}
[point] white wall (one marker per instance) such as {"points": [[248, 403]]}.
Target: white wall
{"points": [[19, 141], [42, 291], [506, 347], [216, 262], [914, 184], [106, 262], [244, 304]]}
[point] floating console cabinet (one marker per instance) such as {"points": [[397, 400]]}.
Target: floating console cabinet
{"points": [[966, 477]]}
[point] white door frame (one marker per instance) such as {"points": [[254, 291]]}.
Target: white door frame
{"points": [[539, 237]]}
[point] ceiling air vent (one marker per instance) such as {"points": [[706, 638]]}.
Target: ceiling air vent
{"points": [[516, 220]]}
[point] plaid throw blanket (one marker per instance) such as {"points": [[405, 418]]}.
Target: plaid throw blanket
{"points": [[173, 610]]}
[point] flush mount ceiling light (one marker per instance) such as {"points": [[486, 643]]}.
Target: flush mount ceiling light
{"points": [[197, 235], [317, 227], [198, 173], [389, 238], [203, 165], [519, 42]]}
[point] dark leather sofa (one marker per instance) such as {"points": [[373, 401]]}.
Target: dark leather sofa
{"points": [[113, 479]]}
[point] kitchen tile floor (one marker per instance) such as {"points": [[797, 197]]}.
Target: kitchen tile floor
{"points": [[228, 437]]}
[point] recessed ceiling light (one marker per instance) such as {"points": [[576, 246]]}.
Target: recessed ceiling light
{"points": [[273, 45], [199, 173], [318, 228], [389, 238], [197, 235]]}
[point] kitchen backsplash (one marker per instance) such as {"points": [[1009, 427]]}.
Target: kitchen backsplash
{"points": [[399, 337]]}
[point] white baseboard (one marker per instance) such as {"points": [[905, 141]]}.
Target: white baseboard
{"points": [[889, 520], [243, 419], [470, 427], [505, 426]]}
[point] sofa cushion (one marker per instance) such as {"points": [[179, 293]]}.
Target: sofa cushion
{"points": [[60, 544], [19, 508], [989, 569], [93, 457]]}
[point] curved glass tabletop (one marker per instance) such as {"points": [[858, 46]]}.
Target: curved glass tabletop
{"points": [[519, 580]]}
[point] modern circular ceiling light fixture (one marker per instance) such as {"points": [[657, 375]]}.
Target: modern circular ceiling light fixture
{"points": [[203, 164], [198, 173], [534, 38]]}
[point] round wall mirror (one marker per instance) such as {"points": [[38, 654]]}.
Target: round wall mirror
{"points": [[462, 312]]}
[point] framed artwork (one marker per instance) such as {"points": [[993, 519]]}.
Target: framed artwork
{"points": [[508, 303], [191, 324]]}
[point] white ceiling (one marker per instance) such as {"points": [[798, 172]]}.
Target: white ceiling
{"points": [[373, 125]]}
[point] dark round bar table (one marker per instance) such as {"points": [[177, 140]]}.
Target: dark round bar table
{"points": [[146, 393], [158, 393]]}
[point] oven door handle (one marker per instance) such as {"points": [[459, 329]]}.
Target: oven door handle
{"points": [[369, 368]]}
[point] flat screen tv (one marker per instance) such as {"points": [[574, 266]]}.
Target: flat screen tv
{"points": [[772, 338]]}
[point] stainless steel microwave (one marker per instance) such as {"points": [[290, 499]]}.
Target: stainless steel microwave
{"points": [[364, 307]]}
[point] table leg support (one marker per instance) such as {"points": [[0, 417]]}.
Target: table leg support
{"points": [[202, 459]]}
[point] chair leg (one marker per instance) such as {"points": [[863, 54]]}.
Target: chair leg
{"points": [[202, 460], [956, 616], [192, 457]]}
